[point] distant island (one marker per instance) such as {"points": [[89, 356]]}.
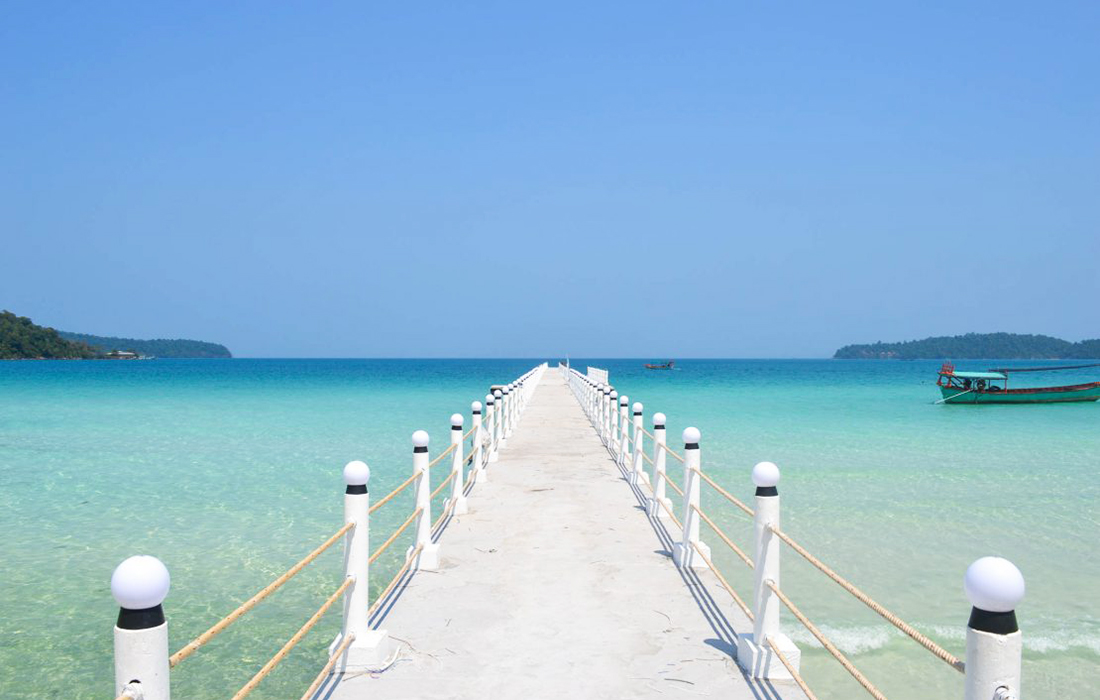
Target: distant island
{"points": [[975, 346], [178, 348], [22, 339]]}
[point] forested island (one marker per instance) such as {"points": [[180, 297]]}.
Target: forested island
{"points": [[154, 348], [974, 346], [22, 339]]}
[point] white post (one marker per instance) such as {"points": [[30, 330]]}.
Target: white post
{"points": [[505, 403], [684, 552], [660, 454], [457, 501], [994, 643], [480, 475], [370, 648], [613, 422], [605, 422], [428, 559], [139, 585], [624, 431], [496, 405], [513, 404], [638, 473], [753, 653]]}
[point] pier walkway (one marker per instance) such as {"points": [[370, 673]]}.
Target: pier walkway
{"points": [[557, 584]]}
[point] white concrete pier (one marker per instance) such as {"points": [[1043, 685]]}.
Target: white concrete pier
{"points": [[557, 584]]}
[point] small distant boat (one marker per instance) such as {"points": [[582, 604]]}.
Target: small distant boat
{"points": [[666, 365], [992, 387]]}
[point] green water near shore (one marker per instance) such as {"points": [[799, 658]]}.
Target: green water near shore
{"points": [[230, 472]]}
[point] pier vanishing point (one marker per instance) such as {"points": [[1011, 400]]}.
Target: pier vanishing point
{"points": [[566, 561]]}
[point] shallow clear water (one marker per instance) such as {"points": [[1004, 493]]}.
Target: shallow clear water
{"points": [[230, 472]]}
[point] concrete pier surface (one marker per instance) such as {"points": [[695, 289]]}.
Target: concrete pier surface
{"points": [[557, 585]]}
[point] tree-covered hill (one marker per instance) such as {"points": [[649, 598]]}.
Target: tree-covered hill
{"points": [[1000, 346], [21, 339], [156, 348]]}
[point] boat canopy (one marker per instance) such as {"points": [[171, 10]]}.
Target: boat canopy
{"points": [[978, 375]]}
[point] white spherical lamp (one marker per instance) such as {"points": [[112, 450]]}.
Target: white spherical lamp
{"points": [[356, 473], [140, 582], [420, 438], [691, 436], [765, 474], [994, 584]]}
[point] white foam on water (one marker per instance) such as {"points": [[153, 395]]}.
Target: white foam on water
{"points": [[860, 639]]}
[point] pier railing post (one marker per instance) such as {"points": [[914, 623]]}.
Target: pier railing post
{"points": [[428, 558], [505, 402], [613, 422], [369, 648], [477, 463], [994, 643], [638, 449], [497, 405], [605, 421], [457, 501], [660, 455], [624, 431], [684, 552], [753, 653], [139, 586]]}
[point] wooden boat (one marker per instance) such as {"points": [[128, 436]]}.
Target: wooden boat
{"points": [[992, 387], [666, 365]]}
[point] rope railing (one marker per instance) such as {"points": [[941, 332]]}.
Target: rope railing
{"points": [[790, 669], [327, 668], [673, 485], [441, 455], [442, 485], [728, 496], [293, 641], [725, 538], [722, 580], [396, 577], [392, 538], [194, 645], [829, 646], [862, 597], [386, 499]]}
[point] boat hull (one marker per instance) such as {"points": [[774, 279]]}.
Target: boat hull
{"points": [[1054, 394]]}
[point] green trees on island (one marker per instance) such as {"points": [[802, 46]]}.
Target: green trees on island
{"points": [[985, 346], [20, 338], [154, 348]]}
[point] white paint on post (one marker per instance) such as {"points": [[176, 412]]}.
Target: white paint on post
{"points": [[428, 559], [684, 552], [753, 653], [505, 405], [457, 501], [660, 455], [624, 431], [139, 586], [478, 462], [498, 403], [613, 422], [994, 643], [370, 648], [638, 473]]}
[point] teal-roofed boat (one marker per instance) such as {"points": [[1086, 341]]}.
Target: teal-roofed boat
{"points": [[992, 387]]}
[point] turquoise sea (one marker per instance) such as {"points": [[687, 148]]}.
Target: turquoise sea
{"points": [[229, 471]]}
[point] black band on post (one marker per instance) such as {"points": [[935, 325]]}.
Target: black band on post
{"points": [[477, 413], [456, 427], [691, 446], [658, 427], [142, 619], [993, 622], [355, 489], [767, 491], [637, 413], [420, 449]]}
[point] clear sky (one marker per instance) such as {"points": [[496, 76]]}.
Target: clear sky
{"points": [[643, 179]]}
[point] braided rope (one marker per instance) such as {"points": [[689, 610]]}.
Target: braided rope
{"points": [[270, 588], [395, 579], [385, 499], [441, 486], [267, 668], [385, 545], [339, 651], [730, 497], [736, 550], [722, 580], [441, 455], [790, 669], [829, 646], [890, 617]]}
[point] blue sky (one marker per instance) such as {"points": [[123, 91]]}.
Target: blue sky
{"points": [[504, 179]]}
